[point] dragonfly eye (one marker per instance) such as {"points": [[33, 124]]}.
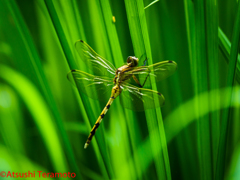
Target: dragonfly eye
{"points": [[129, 59], [132, 61]]}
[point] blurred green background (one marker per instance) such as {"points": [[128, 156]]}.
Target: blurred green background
{"points": [[45, 121]]}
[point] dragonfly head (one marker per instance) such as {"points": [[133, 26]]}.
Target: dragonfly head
{"points": [[132, 61]]}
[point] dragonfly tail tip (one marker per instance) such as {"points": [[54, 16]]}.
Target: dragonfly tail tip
{"points": [[85, 146]]}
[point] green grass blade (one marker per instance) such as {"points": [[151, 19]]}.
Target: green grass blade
{"points": [[211, 11], [118, 61], [197, 40], [234, 171], [141, 44], [29, 93], [152, 3], [190, 27], [228, 96], [38, 73], [12, 126], [201, 85], [72, 64], [173, 127], [225, 47], [61, 35]]}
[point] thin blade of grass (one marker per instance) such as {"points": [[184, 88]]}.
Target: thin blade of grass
{"points": [[226, 112], [198, 57], [151, 4], [201, 85], [190, 26], [69, 56], [131, 118], [38, 72], [211, 12], [225, 47], [165, 36], [12, 126], [40, 114], [141, 44], [191, 34], [173, 128]]}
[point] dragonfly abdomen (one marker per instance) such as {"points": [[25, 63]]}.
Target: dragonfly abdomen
{"points": [[116, 90]]}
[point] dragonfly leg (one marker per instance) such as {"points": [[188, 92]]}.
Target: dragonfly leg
{"points": [[145, 62], [145, 79], [137, 81], [118, 78]]}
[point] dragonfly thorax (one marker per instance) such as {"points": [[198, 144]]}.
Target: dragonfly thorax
{"points": [[121, 74]]}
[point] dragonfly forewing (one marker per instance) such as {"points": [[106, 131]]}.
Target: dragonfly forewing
{"points": [[98, 65], [94, 87], [159, 71]]}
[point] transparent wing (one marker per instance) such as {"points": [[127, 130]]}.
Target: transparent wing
{"points": [[140, 99], [159, 71], [99, 65], [93, 86]]}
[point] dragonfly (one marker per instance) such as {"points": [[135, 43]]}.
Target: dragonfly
{"points": [[127, 80]]}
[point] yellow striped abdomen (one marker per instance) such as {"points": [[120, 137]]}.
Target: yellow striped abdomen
{"points": [[116, 90]]}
